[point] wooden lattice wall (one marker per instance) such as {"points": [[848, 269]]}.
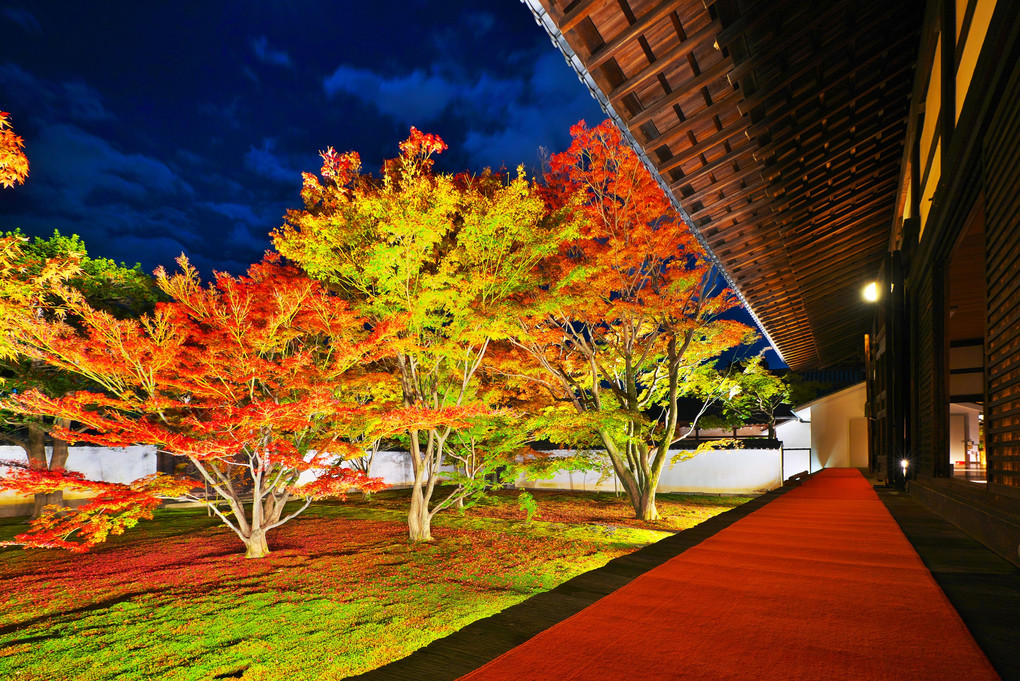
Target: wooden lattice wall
{"points": [[1001, 179], [926, 406]]}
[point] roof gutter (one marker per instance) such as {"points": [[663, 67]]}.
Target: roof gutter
{"points": [[543, 19]]}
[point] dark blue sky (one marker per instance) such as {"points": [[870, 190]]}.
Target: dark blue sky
{"points": [[154, 128]]}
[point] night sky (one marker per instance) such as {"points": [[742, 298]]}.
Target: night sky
{"points": [[155, 128]]}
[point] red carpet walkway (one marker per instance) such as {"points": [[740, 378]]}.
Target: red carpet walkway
{"points": [[818, 584]]}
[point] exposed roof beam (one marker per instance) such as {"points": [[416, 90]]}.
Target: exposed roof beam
{"points": [[582, 11], [665, 103], [669, 58], [730, 132], [612, 48]]}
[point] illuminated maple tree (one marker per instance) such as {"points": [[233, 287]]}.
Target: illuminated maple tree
{"points": [[754, 394], [13, 162], [444, 254], [627, 312], [31, 268], [243, 379], [26, 285]]}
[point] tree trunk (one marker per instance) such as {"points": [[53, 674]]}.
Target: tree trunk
{"points": [[646, 509], [632, 485], [36, 452], [419, 524], [256, 545], [41, 500], [60, 451], [58, 461], [641, 488]]}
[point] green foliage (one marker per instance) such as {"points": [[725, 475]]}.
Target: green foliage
{"points": [[710, 446], [125, 292], [172, 601], [526, 502], [628, 312], [753, 394], [443, 259], [115, 288]]}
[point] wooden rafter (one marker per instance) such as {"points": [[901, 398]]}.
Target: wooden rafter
{"points": [[778, 126]]}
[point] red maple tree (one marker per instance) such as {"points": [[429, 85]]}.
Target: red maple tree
{"points": [[244, 379], [627, 313]]}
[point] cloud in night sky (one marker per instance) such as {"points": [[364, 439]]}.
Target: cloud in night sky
{"points": [[147, 146], [235, 211], [269, 55], [415, 97], [73, 99], [23, 18], [126, 205], [265, 161], [76, 165], [479, 23], [501, 115]]}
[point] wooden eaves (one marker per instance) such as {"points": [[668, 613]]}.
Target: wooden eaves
{"points": [[776, 127]]}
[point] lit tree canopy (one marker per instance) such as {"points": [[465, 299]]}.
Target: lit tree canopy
{"points": [[32, 271], [445, 254], [627, 312], [13, 162], [756, 395], [245, 379]]}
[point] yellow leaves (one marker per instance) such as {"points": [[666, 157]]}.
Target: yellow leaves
{"points": [[445, 254], [707, 446], [28, 290]]}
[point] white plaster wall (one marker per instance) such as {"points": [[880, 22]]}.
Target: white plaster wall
{"points": [[110, 464], [738, 471], [795, 433], [724, 471], [830, 430], [393, 467], [796, 439], [718, 472]]}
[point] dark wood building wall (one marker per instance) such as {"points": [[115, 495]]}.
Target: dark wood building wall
{"points": [[1001, 163], [888, 353], [962, 176], [926, 341]]}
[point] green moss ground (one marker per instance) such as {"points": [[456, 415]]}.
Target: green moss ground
{"points": [[342, 592]]}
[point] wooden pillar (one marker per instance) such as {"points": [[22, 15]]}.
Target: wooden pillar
{"points": [[940, 381], [869, 402], [899, 369]]}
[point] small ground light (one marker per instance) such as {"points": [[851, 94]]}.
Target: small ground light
{"points": [[871, 292]]}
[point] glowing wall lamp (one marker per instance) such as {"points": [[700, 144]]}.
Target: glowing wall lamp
{"points": [[871, 292]]}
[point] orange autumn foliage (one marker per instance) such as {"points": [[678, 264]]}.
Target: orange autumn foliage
{"points": [[628, 312], [13, 162], [246, 380]]}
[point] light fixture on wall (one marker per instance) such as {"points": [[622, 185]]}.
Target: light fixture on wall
{"points": [[871, 292]]}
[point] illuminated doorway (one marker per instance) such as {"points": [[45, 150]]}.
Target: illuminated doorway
{"points": [[965, 332]]}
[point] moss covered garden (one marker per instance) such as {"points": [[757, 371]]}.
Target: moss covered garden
{"points": [[342, 592]]}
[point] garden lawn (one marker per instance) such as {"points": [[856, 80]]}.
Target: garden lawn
{"points": [[343, 592]]}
